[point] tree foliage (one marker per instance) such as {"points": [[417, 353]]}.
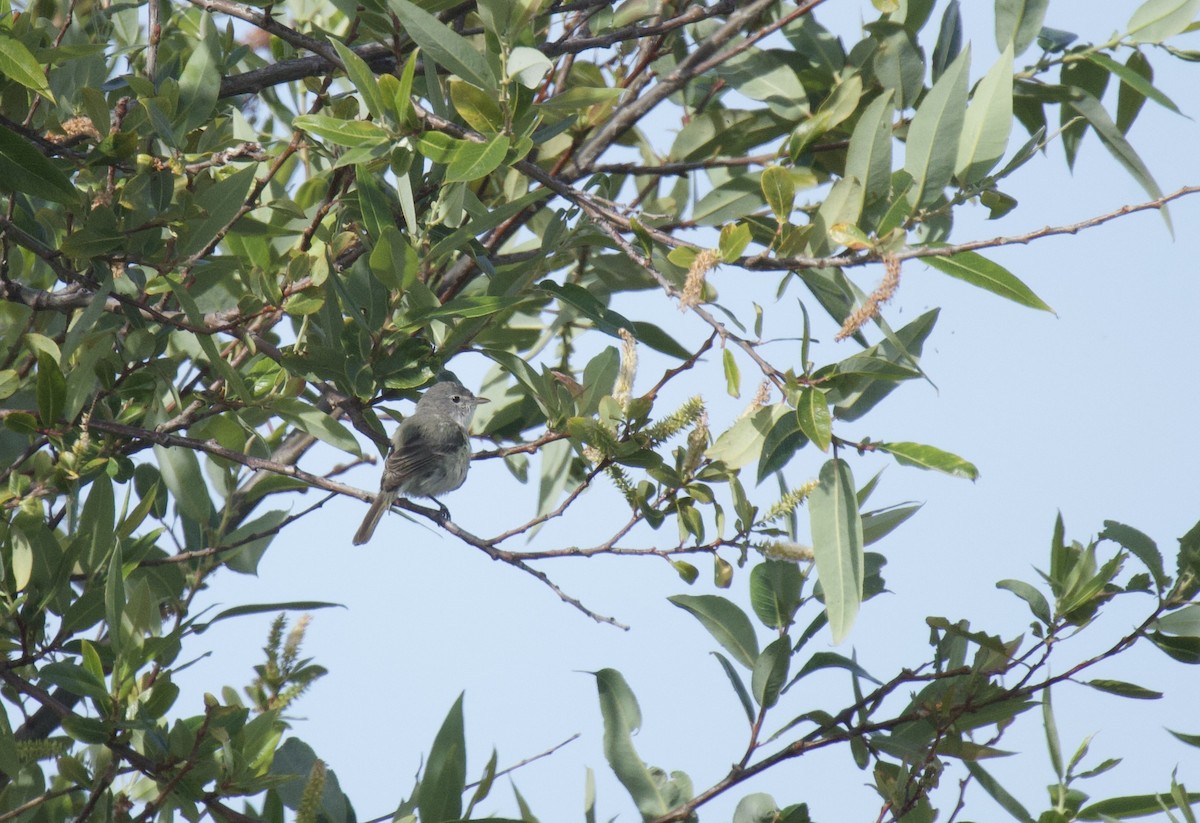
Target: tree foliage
{"points": [[232, 234]]}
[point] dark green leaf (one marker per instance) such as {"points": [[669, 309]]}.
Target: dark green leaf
{"points": [[439, 796], [812, 414], [51, 390], [622, 718], [1140, 546], [977, 270], [739, 687], [775, 589], [25, 169], [1120, 687], [783, 440]]}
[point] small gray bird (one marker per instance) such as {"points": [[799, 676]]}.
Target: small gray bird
{"points": [[431, 452]]}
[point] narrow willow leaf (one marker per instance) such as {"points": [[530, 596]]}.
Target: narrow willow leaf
{"points": [[1036, 600], [1117, 145], [869, 156], [733, 377], [18, 63], [929, 457], [739, 687], [998, 793], [1157, 20], [362, 77], [439, 795], [1140, 545], [977, 270], [725, 622], [474, 161], [352, 134], [622, 717], [1142, 805], [1018, 23], [1129, 76], [934, 133], [25, 169], [1184, 622], [443, 45], [837, 545], [988, 123], [1123, 689]]}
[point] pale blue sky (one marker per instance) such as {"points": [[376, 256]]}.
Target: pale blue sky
{"points": [[1091, 412]]}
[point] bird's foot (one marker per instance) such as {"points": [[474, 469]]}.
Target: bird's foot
{"points": [[443, 515]]}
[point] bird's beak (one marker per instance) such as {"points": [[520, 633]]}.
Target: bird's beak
{"points": [[481, 400]]}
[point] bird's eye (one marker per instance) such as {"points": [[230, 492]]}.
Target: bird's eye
{"points": [[456, 398]]}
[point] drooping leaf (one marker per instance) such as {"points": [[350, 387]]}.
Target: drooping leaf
{"points": [[725, 622], [977, 270], [988, 123]]}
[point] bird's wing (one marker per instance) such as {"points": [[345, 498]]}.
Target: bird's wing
{"points": [[419, 450]]}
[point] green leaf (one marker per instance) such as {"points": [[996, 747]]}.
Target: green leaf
{"points": [[739, 687], [757, 808], [480, 109], [311, 420], [1157, 20], [444, 46], [1123, 689], [1132, 78], [837, 545], [869, 156], [812, 413], [1141, 805], [783, 440], [1129, 98], [934, 133], [1117, 145], [199, 82], [265, 608], [18, 63], [929, 457], [1036, 600], [771, 671], [25, 169], [114, 600], [741, 444], [353, 134], [775, 588], [220, 203], [97, 521], [1183, 622], [587, 304], [657, 339], [833, 660], [779, 189], [439, 795], [988, 123], [474, 161], [734, 239], [362, 77], [881, 522], [1140, 546], [725, 622], [1018, 23], [998, 793], [181, 473], [51, 390], [733, 378], [622, 718], [977, 270]]}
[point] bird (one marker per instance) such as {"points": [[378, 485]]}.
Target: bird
{"points": [[430, 453]]}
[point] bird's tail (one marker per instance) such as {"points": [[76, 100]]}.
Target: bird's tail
{"points": [[382, 502]]}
